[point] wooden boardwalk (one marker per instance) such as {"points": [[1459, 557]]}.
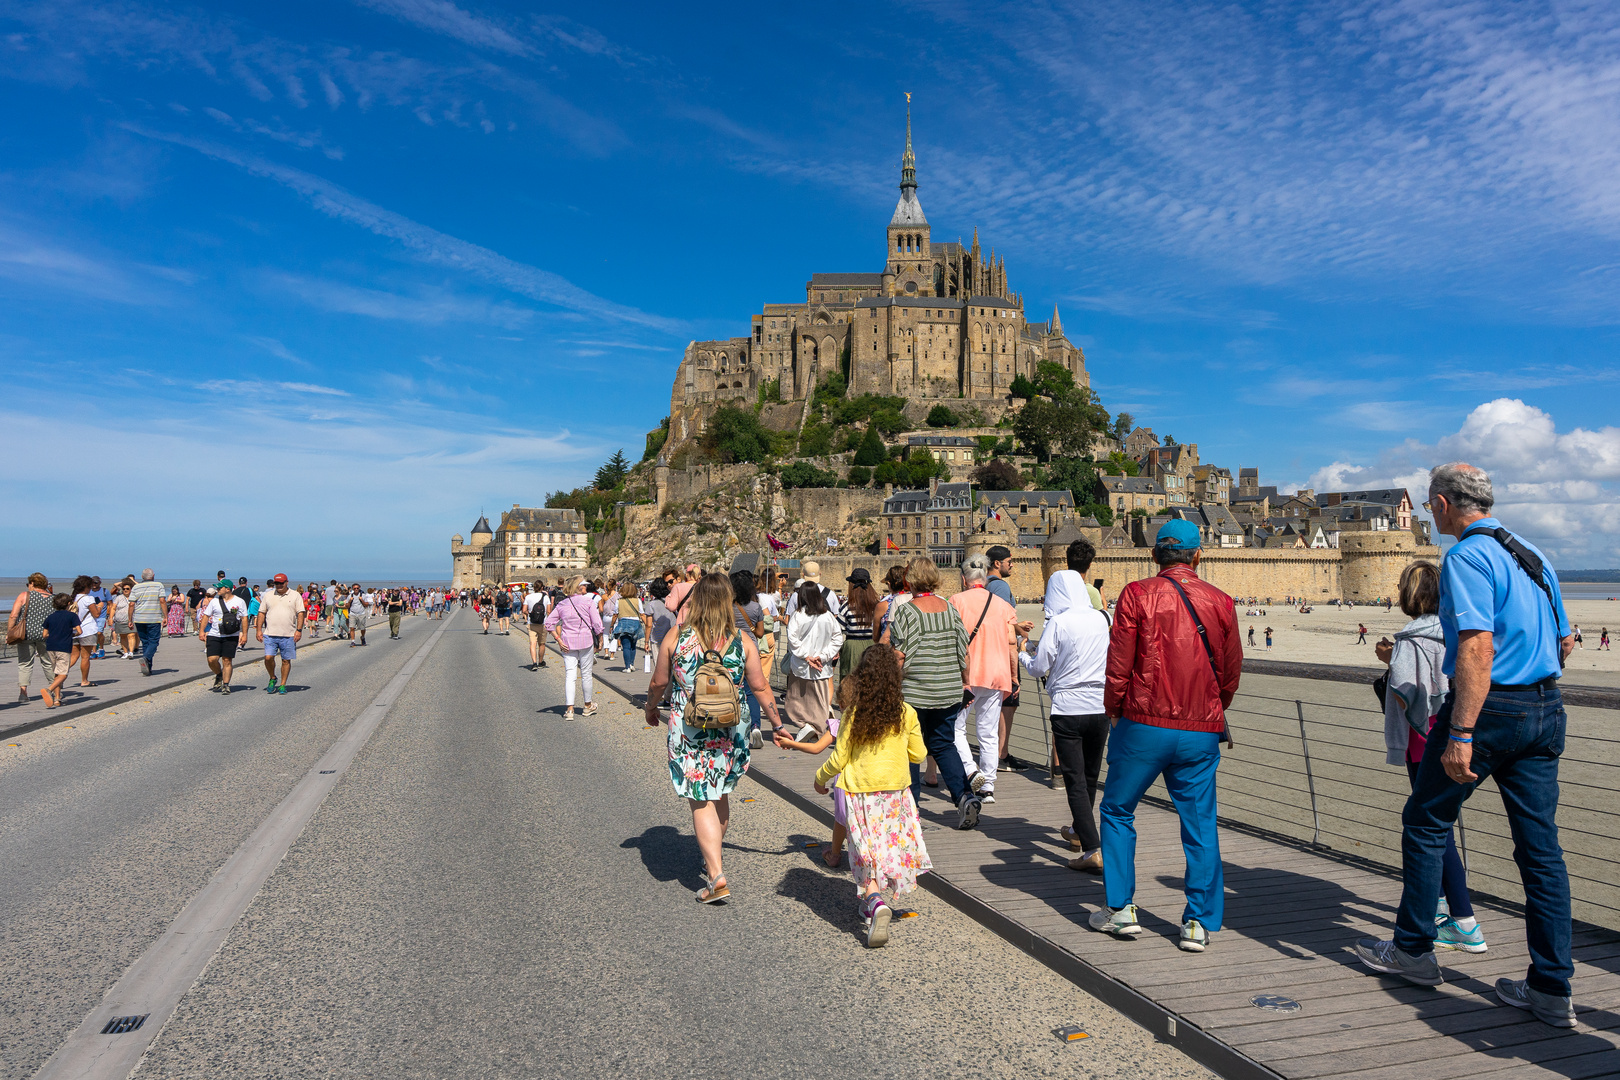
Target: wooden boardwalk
{"points": [[1291, 916]]}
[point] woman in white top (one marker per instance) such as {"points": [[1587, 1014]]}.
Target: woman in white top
{"points": [[121, 625], [814, 641], [89, 610]]}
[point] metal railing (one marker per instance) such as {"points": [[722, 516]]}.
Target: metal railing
{"points": [[1314, 772]]}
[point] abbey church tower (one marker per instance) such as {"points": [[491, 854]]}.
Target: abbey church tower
{"points": [[910, 270], [934, 321]]}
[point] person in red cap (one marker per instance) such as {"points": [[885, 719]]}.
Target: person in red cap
{"points": [[280, 625]]}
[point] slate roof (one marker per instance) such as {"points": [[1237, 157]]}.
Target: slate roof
{"points": [[1014, 498], [1133, 485], [908, 211]]}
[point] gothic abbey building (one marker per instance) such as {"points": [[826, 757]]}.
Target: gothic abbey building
{"points": [[938, 321]]}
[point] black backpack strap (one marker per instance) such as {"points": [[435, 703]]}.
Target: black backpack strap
{"points": [[1209, 651], [1533, 568]]}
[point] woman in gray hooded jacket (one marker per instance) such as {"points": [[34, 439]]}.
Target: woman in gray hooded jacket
{"points": [[1415, 689]]}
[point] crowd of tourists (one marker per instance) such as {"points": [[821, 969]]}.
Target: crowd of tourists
{"points": [[55, 633], [900, 687]]}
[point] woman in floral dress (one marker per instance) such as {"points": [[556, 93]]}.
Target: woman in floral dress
{"points": [[174, 623], [706, 763]]}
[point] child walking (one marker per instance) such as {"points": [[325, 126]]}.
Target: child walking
{"points": [[880, 740]]}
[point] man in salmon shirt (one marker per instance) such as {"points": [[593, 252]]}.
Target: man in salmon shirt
{"points": [[992, 661], [1174, 660]]}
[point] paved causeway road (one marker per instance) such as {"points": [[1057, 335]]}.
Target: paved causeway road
{"points": [[486, 891]]}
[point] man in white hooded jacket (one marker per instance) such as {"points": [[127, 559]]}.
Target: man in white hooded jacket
{"points": [[1072, 656]]}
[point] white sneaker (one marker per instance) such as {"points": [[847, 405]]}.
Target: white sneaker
{"points": [[1121, 923]]}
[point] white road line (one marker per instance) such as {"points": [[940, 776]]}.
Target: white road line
{"points": [[156, 982]]}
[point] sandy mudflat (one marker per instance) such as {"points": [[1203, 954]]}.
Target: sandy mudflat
{"points": [[1328, 635]]}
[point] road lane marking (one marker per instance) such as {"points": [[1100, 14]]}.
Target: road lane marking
{"points": [[156, 982]]}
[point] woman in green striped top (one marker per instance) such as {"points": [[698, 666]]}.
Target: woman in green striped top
{"points": [[929, 635]]}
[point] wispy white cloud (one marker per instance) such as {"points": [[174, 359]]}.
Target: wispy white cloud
{"points": [[277, 349], [33, 261], [443, 17], [425, 243], [429, 306], [68, 42], [263, 388]]}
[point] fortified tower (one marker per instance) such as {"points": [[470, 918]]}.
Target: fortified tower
{"points": [[1372, 562], [467, 559]]}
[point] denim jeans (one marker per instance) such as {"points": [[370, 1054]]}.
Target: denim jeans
{"points": [[1517, 739], [939, 735], [1453, 875], [149, 633], [1137, 755]]}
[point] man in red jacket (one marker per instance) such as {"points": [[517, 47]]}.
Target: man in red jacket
{"points": [[1174, 660]]}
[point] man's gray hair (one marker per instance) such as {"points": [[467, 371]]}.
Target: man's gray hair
{"points": [[976, 570], [1464, 486], [148, 575]]}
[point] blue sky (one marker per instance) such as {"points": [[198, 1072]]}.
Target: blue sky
{"points": [[310, 285]]}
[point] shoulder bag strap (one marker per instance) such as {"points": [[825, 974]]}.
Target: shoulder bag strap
{"points": [[1533, 569], [1209, 651], [988, 597]]}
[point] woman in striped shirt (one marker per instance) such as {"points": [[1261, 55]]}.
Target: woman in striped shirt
{"points": [[858, 618], [929, 635]]}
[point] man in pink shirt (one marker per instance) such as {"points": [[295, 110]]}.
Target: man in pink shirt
{"points": [[992, 660]]}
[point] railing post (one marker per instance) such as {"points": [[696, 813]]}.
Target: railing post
{"points": [[1462, 840], [1310, 778]]}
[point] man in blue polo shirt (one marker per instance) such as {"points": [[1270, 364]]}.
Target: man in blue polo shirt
{"points": [[1506, 641]]}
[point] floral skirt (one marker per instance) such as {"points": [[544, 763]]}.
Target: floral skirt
{"points": [[886, 841], [706, 763]]}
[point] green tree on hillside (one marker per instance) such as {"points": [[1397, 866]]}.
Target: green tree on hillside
{"points": [[871, 450], [737, 435], [613, 472]]}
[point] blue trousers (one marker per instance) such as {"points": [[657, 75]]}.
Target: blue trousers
{"points": [[1517, 739], [149, 633], [939, 735], [1139, 754]]}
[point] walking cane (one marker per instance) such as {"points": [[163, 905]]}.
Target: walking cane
{"points": [[1046, 731]]}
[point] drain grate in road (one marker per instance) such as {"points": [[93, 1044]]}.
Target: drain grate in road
{"points": [[120, 1025]]}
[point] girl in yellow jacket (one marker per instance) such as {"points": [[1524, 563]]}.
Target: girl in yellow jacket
{"points": [[878, 741]]}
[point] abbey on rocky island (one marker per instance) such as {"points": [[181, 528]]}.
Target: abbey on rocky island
{"points": [[937, 322]]}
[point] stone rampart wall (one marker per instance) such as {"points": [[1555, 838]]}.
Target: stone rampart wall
{"points": [[828, 508]]}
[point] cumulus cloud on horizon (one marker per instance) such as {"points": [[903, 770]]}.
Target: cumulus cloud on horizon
{"points": [[1560, 489]]}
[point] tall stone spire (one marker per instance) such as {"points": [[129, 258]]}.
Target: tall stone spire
{"points": [[908, 161], [908, 211]]}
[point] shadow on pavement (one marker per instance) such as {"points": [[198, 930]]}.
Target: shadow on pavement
{"points": [[670, 855]]}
